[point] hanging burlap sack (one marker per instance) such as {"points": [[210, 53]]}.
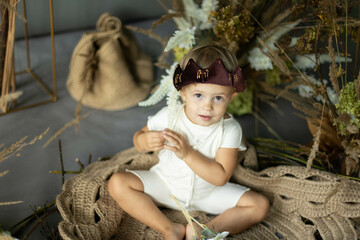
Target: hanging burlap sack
{"points": [[107, 69]]}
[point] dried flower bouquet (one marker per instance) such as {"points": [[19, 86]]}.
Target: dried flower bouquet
{"points": [[297, 50]]}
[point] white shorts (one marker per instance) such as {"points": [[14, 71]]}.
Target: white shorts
{"points": [[219, 200]]}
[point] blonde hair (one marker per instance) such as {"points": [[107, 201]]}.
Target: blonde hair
{"points": [[205, 55]]}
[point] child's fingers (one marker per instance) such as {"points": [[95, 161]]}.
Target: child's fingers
{"points": [[172, 140], [155, 138], [156, 144], [157, 135], [168, 130], [158, 148], [177, 137], [171, 148]]}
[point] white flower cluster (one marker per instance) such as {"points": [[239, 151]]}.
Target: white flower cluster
{"points": [[199, 16], [308, 61], [195, 18], [257, 59], [165, 87], [183, 39], [220, 236], [306, 91], [173, 103], [7, 236]]}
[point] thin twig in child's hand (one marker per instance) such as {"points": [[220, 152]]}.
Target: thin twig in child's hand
{"points": [[188, 217]]}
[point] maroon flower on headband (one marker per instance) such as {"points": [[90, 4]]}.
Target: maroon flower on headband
{"points": [[216, 73]]}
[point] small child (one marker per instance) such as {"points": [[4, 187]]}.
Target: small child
{"points": [[198, 153]]}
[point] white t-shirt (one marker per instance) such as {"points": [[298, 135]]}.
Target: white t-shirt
{"points": [[183, 182]]}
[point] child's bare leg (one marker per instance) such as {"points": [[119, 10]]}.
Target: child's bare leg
{"points": [[128, 191], [252, 208]]}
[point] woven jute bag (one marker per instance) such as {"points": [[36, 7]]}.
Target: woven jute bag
{"points": [[108, 70]]}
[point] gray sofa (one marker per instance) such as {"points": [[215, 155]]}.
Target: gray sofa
{"points": [[102, 133]]}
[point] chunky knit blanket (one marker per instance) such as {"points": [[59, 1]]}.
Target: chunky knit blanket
{"points": [[304, 204]]}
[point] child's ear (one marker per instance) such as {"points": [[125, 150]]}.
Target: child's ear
{"points": [[182, 94], [233, 95]]}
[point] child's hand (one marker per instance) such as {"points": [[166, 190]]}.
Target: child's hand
{"points": [[153, 140], [180, 147]]}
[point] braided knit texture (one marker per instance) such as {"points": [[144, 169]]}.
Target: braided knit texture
{"points": [[305, 205]]}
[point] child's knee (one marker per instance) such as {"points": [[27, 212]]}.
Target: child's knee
{"points": [[263, 207], [116, 184], [259, 204]]}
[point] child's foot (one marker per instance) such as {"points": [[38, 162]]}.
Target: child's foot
{"points": [[177, 233], [190, 232]]}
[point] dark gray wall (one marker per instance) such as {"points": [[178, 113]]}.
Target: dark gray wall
{"points": [[81, 14]]}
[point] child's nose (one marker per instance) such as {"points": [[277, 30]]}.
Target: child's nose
{"points": [[208, 105]]}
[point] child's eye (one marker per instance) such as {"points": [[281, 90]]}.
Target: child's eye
{"points": [[198, 95], [218, 98]]}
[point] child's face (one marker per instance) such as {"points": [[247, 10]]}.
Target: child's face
{"points": [[205, 104]]}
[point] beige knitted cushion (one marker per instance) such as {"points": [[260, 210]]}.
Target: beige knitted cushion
{"points": [[304, 206]]}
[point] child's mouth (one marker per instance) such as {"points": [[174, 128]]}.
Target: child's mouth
{"points": [[205, 118]]}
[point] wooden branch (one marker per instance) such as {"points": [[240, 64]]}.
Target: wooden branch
{"points": [[3, 39], [8, 65], [62, 164], [90, 157]]}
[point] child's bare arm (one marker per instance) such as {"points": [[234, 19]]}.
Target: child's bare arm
{"points": [[216, 172], [145, 140]]}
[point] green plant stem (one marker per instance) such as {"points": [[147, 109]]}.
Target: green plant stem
{"points": [[39, 222], [278, 162], [273, 141], [20, 225], [349, 177], [284, 155], [61, 163], [65, 172], [274, 144]]}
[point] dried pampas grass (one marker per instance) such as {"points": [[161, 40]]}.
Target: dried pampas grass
{"points": [[19, 146], [3, 173], [275, 58], [10, 203], [332, 68], [10, 97], [74, 121], [11, 151]]}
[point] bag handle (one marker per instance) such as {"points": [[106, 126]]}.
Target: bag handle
{"points": [[111, 25]]}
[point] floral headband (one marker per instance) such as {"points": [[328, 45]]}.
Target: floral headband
{"points": [[216, 73]]}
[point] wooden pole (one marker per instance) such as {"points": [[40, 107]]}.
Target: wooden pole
{"points": [[3, 39], [9, 54]]}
